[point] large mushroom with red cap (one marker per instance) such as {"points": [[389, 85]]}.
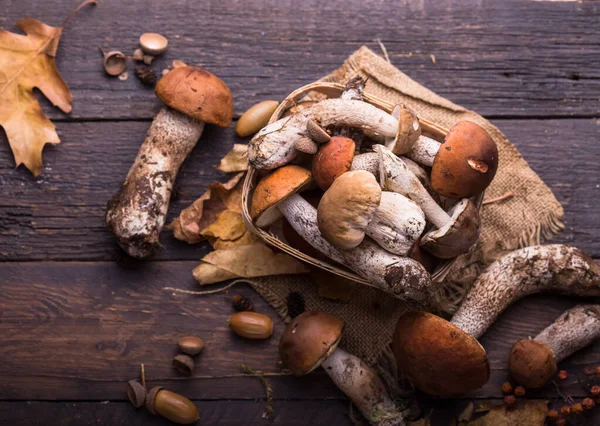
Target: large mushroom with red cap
{"points": [[193, 97], [311, 341]]}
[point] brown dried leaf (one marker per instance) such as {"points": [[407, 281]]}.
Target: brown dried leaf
{"points": [[235, 160], [527, 413], [206, 209], [229, 226], [246, 239], [28, 62], [255, 260]]}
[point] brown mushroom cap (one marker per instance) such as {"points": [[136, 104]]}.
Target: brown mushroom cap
{"points": [[532, 363], [439, 358], [274, 188], [198, 94], [308, 340], [333, 159], [466, 162]]}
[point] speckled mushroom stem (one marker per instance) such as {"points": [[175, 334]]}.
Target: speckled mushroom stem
{"points": [[424, 150], [545, 268], [573, 330], [364, 388], [136, 214], [401, 277], [353, 91]]}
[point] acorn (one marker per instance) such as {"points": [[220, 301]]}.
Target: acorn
{"points": [[136, 393], [191, 345], [241, 303], [184, 364], [251, 325], [171, 406], [114, 62], [146, 75]]}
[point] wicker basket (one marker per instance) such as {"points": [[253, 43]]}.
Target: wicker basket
{"points": [[331, 90]]}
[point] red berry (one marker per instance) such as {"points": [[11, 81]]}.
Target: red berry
{"points": [[507, 388], [562, 375], [588, 403], [510, 401], [577, 408], [595, 390], [520, 391], [553, 414], [566, 410]]}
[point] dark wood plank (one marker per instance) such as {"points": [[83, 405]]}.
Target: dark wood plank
{"points": [[234, 413], [60, 215], [509, 58], [78, 331]]}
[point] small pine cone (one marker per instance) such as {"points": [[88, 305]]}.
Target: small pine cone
{"points": [[577, 408], [146, 75], [507, 388], [295, 304], [242, 303], [510, 402], [595, 391], [552, 415], [566, 410], [562, 375], [588, 403], [519, 391]]}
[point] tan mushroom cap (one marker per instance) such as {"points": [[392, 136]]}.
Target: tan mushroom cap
{"points": [[532, 363], [439, 358], [308, 340], [274, 188], [347, 207], [198, 94], [333, 159], [466, 162]]}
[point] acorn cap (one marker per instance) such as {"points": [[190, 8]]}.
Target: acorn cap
{"points": [[191, 345], [184, 364], [151, 397], [308, 340], [197, 93], [532, 363], [274, 188], [333, 159], [136, 393], [466, 162], [439, 358]]}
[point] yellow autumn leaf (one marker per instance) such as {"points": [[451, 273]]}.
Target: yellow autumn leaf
{"points": [[235, 160], [27, 62]]}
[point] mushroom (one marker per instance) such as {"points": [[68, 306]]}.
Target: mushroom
{"points": [[136, 214], [311, 340], [456, 232], [333, 159], [368, 161], [444, 358], [275, 145], [355, 206], [464, 167], [533, 362], [400, 277]]}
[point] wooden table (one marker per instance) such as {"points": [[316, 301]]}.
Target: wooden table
{"points": [[76, 322]]}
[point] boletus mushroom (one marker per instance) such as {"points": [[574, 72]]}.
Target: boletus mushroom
{"points": [[311, 340], [444, 358], [193, 97], [533, 362], [456, 232], [355, 206], [277, 194]]}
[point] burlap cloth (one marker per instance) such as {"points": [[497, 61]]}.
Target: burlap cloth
{"points": [[531, 214]]}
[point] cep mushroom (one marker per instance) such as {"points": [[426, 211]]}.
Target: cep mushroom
{"points": [[457, 231], [277, 193], [333, 159], [193, 97], [533, 362], [355, 206], [444, 358], [311, 340]]}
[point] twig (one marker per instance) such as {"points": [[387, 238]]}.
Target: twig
{"points": [[567, 399], [268, 389], [506, 196], [143, 376], [200, 293], [384, 50], [85, 3]]}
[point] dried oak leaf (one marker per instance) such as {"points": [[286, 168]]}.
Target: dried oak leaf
{"points": [[26, 62], [527, 413], [229, 230], [245, 261], [235, 160], [190, 223]]}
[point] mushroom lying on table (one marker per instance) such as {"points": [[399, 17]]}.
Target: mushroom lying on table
{"points": [[533, 362], [444, 358], [355, 206], [277, 194], [311, 340], [193, 97], [456, 232]]}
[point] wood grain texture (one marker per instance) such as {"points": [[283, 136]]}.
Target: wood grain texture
{"points": [[60, 215], [81, 330], [520, 58]]}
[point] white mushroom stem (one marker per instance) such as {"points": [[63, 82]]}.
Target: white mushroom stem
{"points": [[364, 388], [395, 176], [573, 330], [274, 145], [398, 276], [424, 150], [136, 214], [369, 161], [546, 268]]}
